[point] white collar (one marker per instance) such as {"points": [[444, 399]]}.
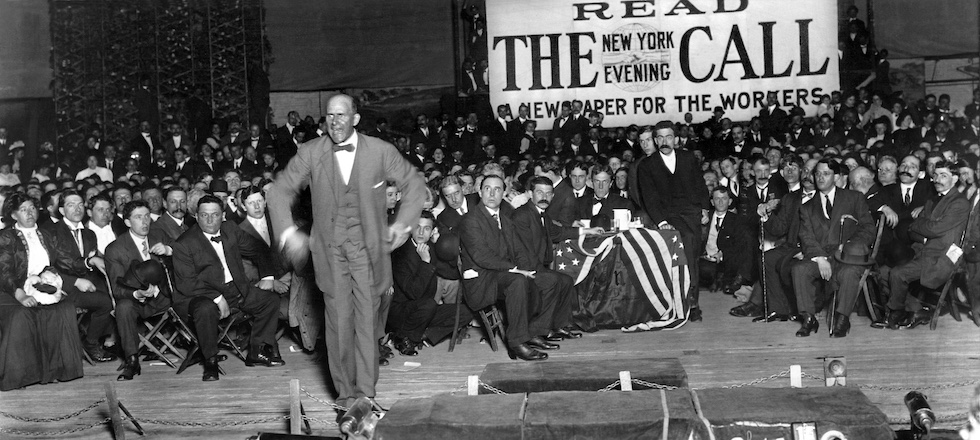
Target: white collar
{"points": [[137, 239], [95, 227], [492, 211]]}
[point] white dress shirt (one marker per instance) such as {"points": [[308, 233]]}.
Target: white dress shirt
{"points": [[345, 159], [221, 255], [261, 227], [103, 235], [670, 160]]}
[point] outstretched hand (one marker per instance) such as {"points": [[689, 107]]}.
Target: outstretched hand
{"points": [[296, 248], [397, 235]]}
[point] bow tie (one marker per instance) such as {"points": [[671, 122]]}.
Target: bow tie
{"points": [[217, 239], [598, 201], [344, 147]]}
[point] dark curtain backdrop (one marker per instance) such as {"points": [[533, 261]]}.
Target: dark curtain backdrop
{"points": [[917, 28], [321, 45], [25, 49]]}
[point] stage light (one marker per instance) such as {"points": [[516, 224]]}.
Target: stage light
{"points": [[835, 371], [921, 414]]}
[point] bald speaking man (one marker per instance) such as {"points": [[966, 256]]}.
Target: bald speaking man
{"points": [[350, 240]]}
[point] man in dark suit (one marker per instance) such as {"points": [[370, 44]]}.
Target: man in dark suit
{"points": [[567, 191], [186, 166], [145, 143], [237, 162], [161, 166], [457, 205], [418, 311], [897, 204], [113, 162], [258, 225], [423, 133], [346, 173], [772, 117], [211, 282], [139, 243], [175, 139], [726, 245], [564, 127], [537, 232], [171, 223], [502, 133], [765, 191], [257, 138], [79, 263], [490, 251], [285, 133], [939, 225], [822, 231], [603, 201], [234, 136], [824, 135], [674, 195]]}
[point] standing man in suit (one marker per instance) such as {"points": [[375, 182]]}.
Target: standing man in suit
{"points": [[79, 262], [144, 143], [821, 221], [491, 263], [171, 223], [177, 138], [674, 195], [772, 117], [939, 225], [564, 127], [211, 281], [285, 133], [139, 243], [346, 173]]}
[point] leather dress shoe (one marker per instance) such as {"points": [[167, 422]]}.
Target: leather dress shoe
{"points": [[745, 310], [736, 284], [526, 353], [567, 334], [808, 324], [130, 368], [553, 336], [210, 369], [97, 353], [257, 356], [406, 347], [913, 320], [842, 325], [540, 344], [272, 351], [890, 320], [771, 317], [695, 314]]}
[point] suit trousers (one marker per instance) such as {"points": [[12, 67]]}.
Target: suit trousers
{"points": [[99, 305], [203, 316], [689, 226], [899, 279], [129, 312], [778, 287], [806, 278], [514, 289], [553, 301], [351, 318], [423, 318]]}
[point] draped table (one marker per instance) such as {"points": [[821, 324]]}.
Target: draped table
{"points": [[635, 280]]}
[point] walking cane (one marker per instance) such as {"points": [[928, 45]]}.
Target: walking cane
{"points": [[840, 243], [765, 292]]}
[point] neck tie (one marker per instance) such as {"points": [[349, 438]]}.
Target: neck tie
{"points": [[145, 251], [908, 196], [762, 194], [718, 223], [343, 147], [734, 186], [497, 218], [827, 205], [78, 241], [460, 210]]}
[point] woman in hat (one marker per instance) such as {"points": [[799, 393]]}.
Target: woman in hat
{"points": [[39, 342]]}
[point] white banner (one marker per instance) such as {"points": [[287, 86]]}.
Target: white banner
{"points": [[639, 62]]}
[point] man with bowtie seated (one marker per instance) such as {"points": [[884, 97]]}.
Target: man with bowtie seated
{"points": [[603, 201], [79, 263], [139, 244], [491, 263], [822, 221], [211, 282], [418, 310], [726, 244], [536, 232], [939, 225]]}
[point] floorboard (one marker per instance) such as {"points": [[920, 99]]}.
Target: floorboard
{"points": [[720, 351]]}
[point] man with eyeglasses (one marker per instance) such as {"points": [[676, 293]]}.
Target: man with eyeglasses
{"points": [[673, 193]]}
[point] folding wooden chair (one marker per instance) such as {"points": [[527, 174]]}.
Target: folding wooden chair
{"points": [[224, 340], [866, 283], [490, 316], [79, 316], [954, 279]]}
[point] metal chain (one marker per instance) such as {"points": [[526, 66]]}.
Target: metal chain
{"points": [[652, 385], [211, 424], [52, 419], [330, 404], [951, 419], [491, 388], [924, 387], [610, 387], [781, 374], [53, 433]]}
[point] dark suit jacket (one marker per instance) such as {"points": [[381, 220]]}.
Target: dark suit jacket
{"points": [[157, 170], [120, 255], [820, 237], [503, 135], [832, 138], [893, 197], [564, 131], [139, 143], [487, 249], [431, 141], [564, 206], [192, 169], [803, 138], [537, 238], [784, 223], [14, 260], [749, 201], [449, 219], [198, 271], [168, 226], [414, 279], [583, 205], [247, 167], [69, 263], [262, 142], [168, 144], [940, 224], [733, 242], [681, 193], [773, 122], [280, 266]]}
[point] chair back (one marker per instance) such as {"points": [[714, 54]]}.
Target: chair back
{"points": [[880, 227]]}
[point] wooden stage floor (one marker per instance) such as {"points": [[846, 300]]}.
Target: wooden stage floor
{"points": [[720, 351]]}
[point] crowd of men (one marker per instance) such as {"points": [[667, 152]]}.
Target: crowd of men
{"points": [[803, 194]]}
